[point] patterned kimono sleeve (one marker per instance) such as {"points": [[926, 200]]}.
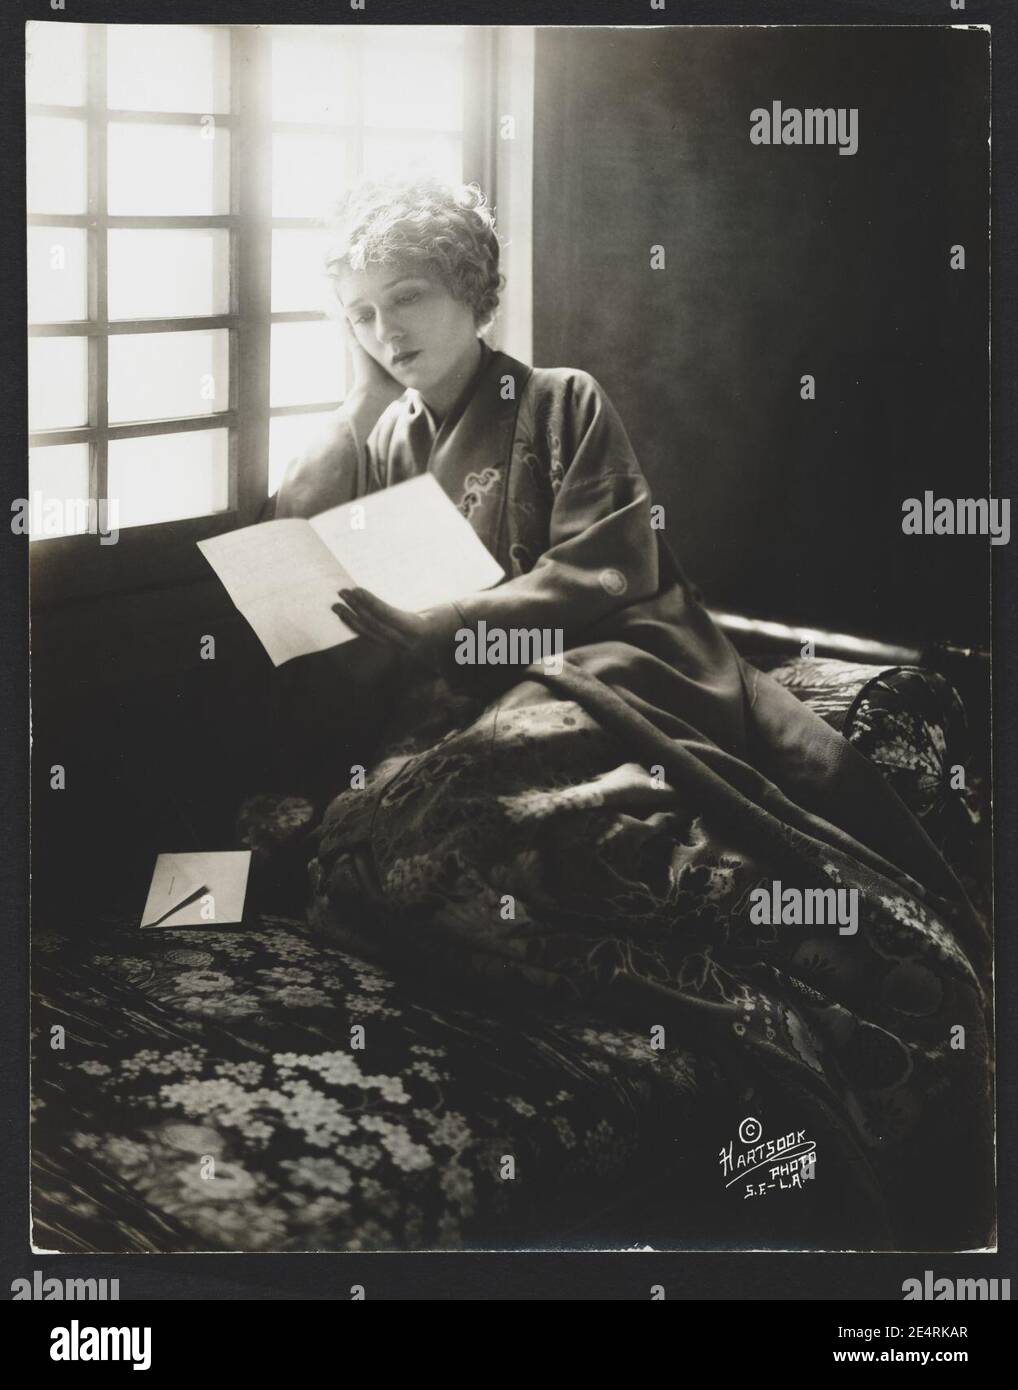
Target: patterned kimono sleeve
{"points": [[601, 551]]}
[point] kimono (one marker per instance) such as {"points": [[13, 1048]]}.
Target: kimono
{"points": [[594, 835]]}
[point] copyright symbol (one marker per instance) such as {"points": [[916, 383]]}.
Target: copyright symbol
{"points": [[750, 1130]]}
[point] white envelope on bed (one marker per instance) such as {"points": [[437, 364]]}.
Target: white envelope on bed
{"points": [[198, 889]]}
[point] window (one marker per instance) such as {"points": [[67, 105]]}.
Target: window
{"points": [[180, 351]]}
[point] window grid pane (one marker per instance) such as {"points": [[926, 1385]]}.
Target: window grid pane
{"points": [[165, 376], [56, 164], [299, 281], [168, 274], [167, 170], [313, 79], [289, 436], [167, 67], [58, 491], [57, 383], [55, 63], [309, 172], [407, 90], [167, 477], [57, 284], [389, 155], [307, 363], [399, 101]]}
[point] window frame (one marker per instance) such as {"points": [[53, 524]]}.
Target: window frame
{"points": [[159, 554]]}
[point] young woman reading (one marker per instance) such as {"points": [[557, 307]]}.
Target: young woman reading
{"points": [[598, 829]]}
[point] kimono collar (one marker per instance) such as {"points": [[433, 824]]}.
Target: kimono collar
{"points": [[472, 455]]}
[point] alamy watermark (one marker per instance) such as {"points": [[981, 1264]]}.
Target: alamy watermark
{"points": [[40, 516], [77, 1343], [929, 1287], [816, 125], [514, 646], [957, 516], [805, 907], [46, 1289]]}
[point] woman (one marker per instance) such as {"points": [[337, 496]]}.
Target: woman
{"points": [[598, 830]]}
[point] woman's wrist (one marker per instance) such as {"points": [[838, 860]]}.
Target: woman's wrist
{"points": [[371, 396], [363, 407], [441, 625]]}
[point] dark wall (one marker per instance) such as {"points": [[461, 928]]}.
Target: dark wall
{"points": [[157, 745], [780, 261]]}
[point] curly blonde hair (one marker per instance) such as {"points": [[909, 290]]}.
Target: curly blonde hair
{"points": [[424, 224]]}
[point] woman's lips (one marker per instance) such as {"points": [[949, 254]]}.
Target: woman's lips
{"points": [[403, 359]]}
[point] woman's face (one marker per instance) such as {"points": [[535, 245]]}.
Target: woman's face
{"points": [[413, 327]]}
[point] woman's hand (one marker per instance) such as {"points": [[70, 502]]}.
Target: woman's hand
{"points": [[424, 635], [371, 391], [371, 382]]}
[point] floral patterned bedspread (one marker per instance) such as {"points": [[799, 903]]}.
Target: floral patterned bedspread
{"points": [[256, 1089], [210, 1094]]}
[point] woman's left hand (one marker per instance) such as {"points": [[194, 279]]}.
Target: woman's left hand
{"points": [[418, 634]]}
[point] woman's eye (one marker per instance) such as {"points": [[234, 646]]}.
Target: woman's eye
{"points": [[362, 318], [409, 297]]}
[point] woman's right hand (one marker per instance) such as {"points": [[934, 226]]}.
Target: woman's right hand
{"points": [[371, 382]]}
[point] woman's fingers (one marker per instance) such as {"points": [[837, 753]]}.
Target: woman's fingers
{"points": [[341, 611], [363, 601], [374, 611], [376, 622], [360, 625], [368, 374]]}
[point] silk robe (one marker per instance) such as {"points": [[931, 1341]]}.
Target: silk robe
{"points": [[627, 806]]}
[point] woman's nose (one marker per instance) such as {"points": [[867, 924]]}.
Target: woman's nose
{"points": [[387, 328]]}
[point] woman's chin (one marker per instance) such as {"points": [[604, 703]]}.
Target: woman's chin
{"points": [[406, 376], [422, 382]]}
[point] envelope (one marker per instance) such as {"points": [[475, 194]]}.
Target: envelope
{"points": [[198, 889]]}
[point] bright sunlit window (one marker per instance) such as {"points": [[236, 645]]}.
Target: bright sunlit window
{"points": [[180, 354]]}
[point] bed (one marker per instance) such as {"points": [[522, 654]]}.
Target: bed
{"points": [[256, 1089]]}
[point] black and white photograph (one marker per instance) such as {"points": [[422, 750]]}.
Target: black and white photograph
{"points": [[510, 527]]}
